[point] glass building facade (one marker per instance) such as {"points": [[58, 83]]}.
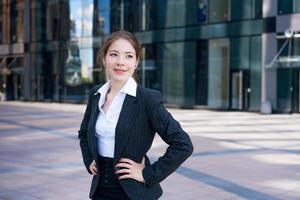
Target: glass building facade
{"points": [[217, 54]]}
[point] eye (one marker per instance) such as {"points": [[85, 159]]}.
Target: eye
{"points": [[113, 54], [129, 56]]}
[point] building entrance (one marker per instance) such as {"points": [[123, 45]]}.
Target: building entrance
{"points": [[239, 90], [295, 91]]}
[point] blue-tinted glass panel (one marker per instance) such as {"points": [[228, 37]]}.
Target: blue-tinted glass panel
{"points": [[241, 9], [103, 21], [1, 23], [202, 11], [132, 15], [81, 16], [218, 74], [218, 10], [239, 53], [255, 73], [16, 22], [150, 15], [38, 21], [285, 6]]}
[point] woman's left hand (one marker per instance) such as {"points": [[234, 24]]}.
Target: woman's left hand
{"points": [[130, 169]]}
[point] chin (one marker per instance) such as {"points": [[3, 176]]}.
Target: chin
{"points": [[120, 78]]}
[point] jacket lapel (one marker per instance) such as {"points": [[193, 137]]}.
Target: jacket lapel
{"points": [[94, 116], [124, 125]]}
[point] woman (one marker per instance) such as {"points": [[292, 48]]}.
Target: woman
{"points": [[118, 129]]}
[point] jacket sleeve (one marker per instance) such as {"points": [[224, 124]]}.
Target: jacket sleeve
{"points": [[82, 134], [180, 146]]}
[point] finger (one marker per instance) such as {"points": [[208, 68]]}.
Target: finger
{"points": [[93, 172], [127, 160], [126, 165], [94, 166], [125, 176], [124, 171], [95, 169], [143, 161]]}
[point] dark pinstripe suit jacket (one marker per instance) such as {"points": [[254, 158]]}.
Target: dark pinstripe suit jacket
{"points": [[140, 118]]}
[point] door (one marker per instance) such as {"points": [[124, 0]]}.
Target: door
{"points": [[295, 91], [239, 90]]}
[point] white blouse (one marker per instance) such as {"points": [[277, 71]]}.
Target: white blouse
{"points": [[107, 122]]}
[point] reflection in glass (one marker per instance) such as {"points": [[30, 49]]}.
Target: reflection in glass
{"points": [[218, 10], [104, 17], [81, 15], [16, 22], [202, 11], [288, 7], [1, 24], [218, 74], [149, 72]]}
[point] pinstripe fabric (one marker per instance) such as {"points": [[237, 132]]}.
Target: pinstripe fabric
{"points": [[140, 118]]}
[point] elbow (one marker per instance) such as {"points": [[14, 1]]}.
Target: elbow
{"points": [[190, 149]]}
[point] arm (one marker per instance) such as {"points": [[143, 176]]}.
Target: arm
{"points": [[180, 145], [82, 135]]}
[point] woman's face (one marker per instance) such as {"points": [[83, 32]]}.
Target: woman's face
{"points": [[120, 60]]}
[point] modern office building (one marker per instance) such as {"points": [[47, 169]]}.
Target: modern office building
{"points": [[216, 54]]}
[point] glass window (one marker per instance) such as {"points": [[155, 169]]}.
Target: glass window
{"points": [[1, 23], [17, 21], [38, 22], [218, 10], [246, 9], [170, 58], [173, 13], [115, 21], [255, 73], [132, 15], [53, 20], [296, 6], [218, 74], [150, 15], [149, 72], [240, 9], [239, 53], [287, 7], [81, 15], [202, 11], [256, 9], [103, 23]]}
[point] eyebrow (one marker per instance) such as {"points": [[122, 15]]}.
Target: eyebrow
{"points": [[126, 52]]}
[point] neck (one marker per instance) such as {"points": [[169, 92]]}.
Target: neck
{"points": [[116, 86]]}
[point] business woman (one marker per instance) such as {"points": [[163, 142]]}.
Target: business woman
{"points": [[119, 125]]}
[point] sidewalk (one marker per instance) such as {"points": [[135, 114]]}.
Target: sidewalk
{"points": [[237, 155]]}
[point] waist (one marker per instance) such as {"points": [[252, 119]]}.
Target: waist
{"points": [[107, 172]]}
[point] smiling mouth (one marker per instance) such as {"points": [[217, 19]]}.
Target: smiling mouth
{"points": [[120, 71]]}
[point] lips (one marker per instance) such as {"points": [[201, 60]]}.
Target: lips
{"points": [[120, 71]]}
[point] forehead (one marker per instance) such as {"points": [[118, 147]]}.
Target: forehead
{"points": [[121, 45]]}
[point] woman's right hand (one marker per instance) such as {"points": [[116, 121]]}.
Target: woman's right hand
{"points": [[93, 168]]}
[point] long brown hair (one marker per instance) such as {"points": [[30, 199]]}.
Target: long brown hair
{"points": [[121, 35]]}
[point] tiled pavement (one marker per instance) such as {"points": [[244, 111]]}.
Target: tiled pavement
{"points": [[237, 155]]}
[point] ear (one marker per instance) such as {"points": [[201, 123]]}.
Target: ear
{"points": [[137, 63], [103, 62]]}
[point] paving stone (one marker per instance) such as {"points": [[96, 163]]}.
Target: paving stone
{"points": [[237, 155]]}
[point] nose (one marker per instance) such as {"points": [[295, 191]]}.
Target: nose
{"points": [[121, 61]]}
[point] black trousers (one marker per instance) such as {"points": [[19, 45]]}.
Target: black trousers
{"points": [[109, 187]]}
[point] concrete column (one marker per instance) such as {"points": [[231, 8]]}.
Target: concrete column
{"points": [[269, 50], [269, 75], [27, 62]]}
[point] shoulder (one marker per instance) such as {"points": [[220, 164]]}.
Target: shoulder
{"points": [[147, 92], [94, 89], [150, 96]]}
